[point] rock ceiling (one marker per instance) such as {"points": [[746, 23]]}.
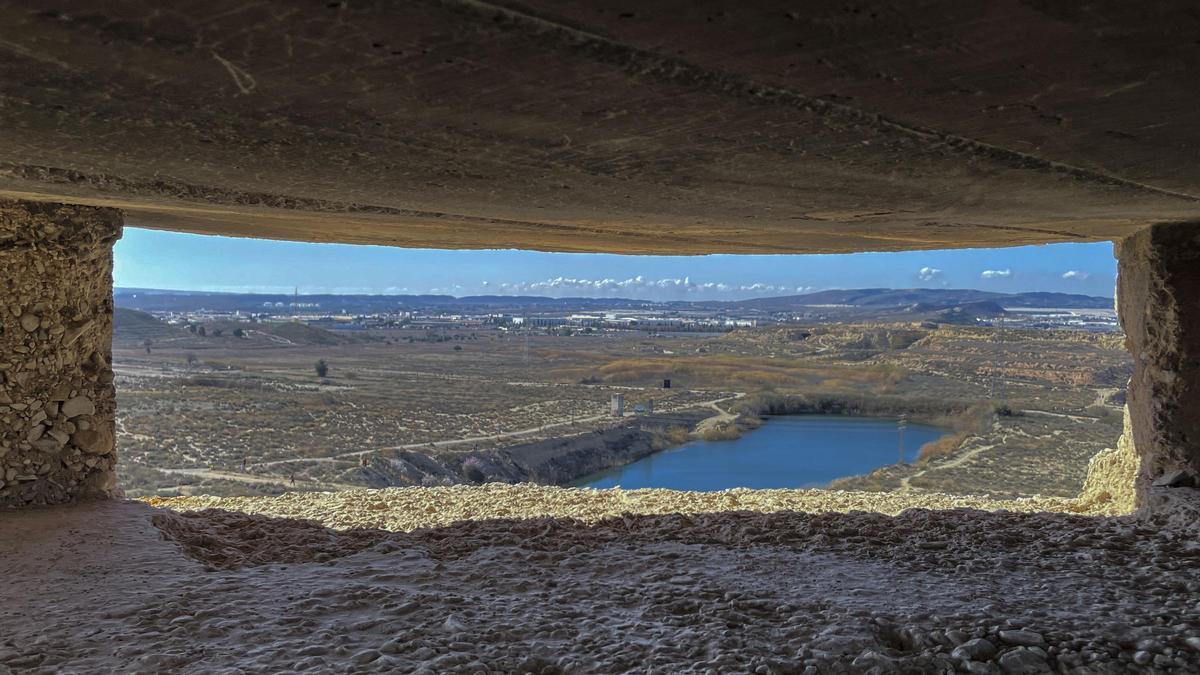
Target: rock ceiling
{"points": [[680, 126]]}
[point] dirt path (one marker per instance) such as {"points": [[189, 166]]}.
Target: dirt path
{"points": [[1102, 395], [1047, 413], [283, 481], [722, 417], [721, 414], [956, 460]]}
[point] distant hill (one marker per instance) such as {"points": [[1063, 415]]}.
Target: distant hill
{"points": [[151, 300], [925, 299], [132, 326], [301, 333], [934, 299], [969, 312], [279, 333]]}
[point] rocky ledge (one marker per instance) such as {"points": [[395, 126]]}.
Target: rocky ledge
{"points": [[536, 579]]}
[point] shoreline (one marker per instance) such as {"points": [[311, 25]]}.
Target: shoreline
{"points": [[742, 423]]}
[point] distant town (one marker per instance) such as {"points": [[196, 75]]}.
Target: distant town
{"points": [[568, 315]]}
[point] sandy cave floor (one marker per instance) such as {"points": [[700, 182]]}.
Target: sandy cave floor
{"points": [[240, 586]]}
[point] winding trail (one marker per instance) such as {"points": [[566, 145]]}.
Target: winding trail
{"points": [[720, 415], [258, 480], [507, 434]]}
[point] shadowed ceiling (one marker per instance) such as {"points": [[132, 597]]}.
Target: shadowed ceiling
{"points": [[657, 126]]}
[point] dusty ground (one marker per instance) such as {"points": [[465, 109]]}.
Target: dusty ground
{"points": [[525, 586], [187, 428]]}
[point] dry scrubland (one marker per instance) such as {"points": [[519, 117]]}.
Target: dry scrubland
{"points": [[391, 403], [190, 427]]}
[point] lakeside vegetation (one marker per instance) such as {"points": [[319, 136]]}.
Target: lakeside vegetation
{"points": [[961, 419], [741, 372]]}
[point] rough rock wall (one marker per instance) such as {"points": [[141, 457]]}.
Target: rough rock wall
{"points": [[1111, 476], [57, 404], [550, 461], [1158, 298]]}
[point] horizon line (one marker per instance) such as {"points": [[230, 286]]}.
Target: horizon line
{"points": [[587, 297]]}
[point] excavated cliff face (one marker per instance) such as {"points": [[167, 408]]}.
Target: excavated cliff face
{"points": [[1158, 285], [1111, 475], [57, 405], [550, 461]]}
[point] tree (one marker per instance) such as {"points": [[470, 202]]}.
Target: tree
{"points": [[191, 360], [201, 331], [321, 367], [147, 344]]}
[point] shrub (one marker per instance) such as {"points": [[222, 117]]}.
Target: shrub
{"points": [[321, 368], [662, 439], [942, 447], [881, 405], [721, 432], [472, 468], [750, 421]]}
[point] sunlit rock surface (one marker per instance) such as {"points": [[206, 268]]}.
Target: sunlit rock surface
{"points": [[540, 579]]}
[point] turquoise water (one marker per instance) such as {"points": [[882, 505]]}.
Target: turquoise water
{"points": [[787, 452]]}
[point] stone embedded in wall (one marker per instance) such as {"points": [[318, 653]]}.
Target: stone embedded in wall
{"points": [[1158, 298], [57, 404]]}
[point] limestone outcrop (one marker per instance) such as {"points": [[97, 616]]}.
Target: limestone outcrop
{"points": [[1159, 282], [1111, 475], [57, 405]]}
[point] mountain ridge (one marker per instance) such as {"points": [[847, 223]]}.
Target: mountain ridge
{"points": [[851, 297], [873, 298]]}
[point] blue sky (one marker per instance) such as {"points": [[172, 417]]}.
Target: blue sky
{"points": [[171, 260]]}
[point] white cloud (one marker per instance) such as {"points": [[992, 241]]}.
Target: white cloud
{"points": [[641, 286], [929, 274], [1075, 275], [996, 274]]}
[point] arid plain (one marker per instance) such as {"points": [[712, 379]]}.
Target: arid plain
{"points": [[247, 414]]}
